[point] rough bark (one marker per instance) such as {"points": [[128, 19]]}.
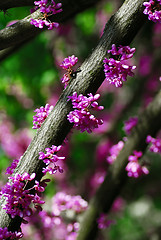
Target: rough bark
{"points": [[121, 29], [23, 30]]}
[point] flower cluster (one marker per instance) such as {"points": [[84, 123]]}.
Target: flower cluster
{"points": [[50, 158], [153, 10], [129, 124], [11, 169], [18, 198], [81, 117], [70, 206], [5, 234], [14, 143], [155, 144], [47, 11], [67, 64], [64, 202], [114, 152], [117, 69], [104, 222], [133, 168], [41, 115]]}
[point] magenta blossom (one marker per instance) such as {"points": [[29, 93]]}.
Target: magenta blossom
{"points": [[63, 202], [11, 169], [155, 144], [130, 124], [104, 222], [41, 115], [18, 198], [47, 10], [50, 158], [133, 168], [5, 234], [81, 117], [67, 64], [153, 10], [114, 152], [117, 69]]}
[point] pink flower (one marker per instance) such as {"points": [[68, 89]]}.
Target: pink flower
{"points": [[117, 69], [18, 198], [81, 117], [50, 158], [41, 115], [133, 168], [153, 10], [130, 124], [47, 10], [67, 64], [114, 152], [155, 144], [104, 222]]}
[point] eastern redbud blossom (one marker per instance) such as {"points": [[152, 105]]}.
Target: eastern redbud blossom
{"points": [[129, 124], [5, 234], [67, 64], [11, 169], [133, 168], [114, 152], [153, 10], [155, 144], [47, 10], [117, 69], [18, 199], [81, 117], [41, 115], [104, 222], [63, 202], [50, 158]]}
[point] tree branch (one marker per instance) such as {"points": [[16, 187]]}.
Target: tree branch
{"points": [[22, 30], [4, 5], [121, 29]]}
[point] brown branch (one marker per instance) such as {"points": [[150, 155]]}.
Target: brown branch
{"points": [[4, 5], [121, 29], [23, 30]]}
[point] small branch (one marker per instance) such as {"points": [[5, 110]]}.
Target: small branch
{"points": [[23, 30], [4, 5], [121, 29]]}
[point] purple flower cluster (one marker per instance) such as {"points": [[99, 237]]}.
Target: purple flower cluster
{"points": [[41, 115], [11, 169], [18, 198], [47, 10], [129, 124], [67, 64], [5, 234], [50, 158], [117, 69], [133, 168], [64, 202], [155, 144], [153, 10], [114, 152], [104, 222], [81, 117], [62, 222]]}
